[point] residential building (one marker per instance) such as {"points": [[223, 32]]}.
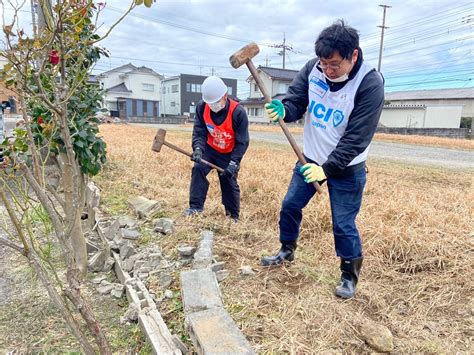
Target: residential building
{"points": [[421, 116], [7, 95], [437, 97], [131, 93], [276, 81], [180, 94]]}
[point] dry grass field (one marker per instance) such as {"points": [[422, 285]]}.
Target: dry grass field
{"points": [[416, 224]]}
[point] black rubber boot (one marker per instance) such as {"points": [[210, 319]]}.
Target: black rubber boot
{"points": [[285, 254], [350, 270]]}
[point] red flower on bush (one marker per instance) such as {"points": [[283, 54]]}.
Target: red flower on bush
{"points": [[54, 57], [40, 120]]}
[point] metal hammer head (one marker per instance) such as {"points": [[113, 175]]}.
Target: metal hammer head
{"points": [[159, 140], [243, 55]]}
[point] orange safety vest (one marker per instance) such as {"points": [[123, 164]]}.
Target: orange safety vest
{"points": [[221, 138]]}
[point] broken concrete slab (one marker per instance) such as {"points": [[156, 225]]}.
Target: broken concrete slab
{"points": [[122, 275], [218, 266], [186, 250], [144, 207], [200, 290], [92, 199], [203, 256], [91, 247], [164, 226], [127, 250], [157, 333], [105, 290], [112, 230], [97, 261], [131, 314], [127, 222], [130, 234], [117, 291], [221, 275], [213, 331]]}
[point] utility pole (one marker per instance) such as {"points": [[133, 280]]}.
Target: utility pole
{"points": [[284, 49], [41, 18], [33, 18], [383, 27]]}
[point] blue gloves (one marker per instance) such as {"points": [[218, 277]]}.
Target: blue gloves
{"points": [[275, 110]]}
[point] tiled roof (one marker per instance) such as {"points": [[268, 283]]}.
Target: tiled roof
{"points": [[260, 100], [278, 73], [119, 88]]}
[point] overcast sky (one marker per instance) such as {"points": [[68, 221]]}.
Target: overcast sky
{"points": [[428, 44]]}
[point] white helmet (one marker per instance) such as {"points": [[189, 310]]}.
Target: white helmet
{"points": [[213, 89]]}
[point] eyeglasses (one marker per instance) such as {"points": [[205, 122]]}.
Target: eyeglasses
{"points": [[330, 66]]}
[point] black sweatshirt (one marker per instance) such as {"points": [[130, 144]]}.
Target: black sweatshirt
{"points": [[363, 120], [240, 124]]}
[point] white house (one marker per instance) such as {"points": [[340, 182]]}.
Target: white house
{"points": [[276, 81], [180, 94], [171, 96], [131, 92]]}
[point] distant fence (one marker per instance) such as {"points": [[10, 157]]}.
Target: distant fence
{"points": [[437, 132], [162, 120]]}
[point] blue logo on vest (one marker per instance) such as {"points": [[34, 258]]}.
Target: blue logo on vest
{"points": [[337, 118], [318, 110]]}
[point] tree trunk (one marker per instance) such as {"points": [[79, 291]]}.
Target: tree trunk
{"points": [[60, 303], [74, 209], [75, 296]]}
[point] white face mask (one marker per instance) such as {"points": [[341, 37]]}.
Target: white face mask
{"points": [[217, 106], [337, 80]]}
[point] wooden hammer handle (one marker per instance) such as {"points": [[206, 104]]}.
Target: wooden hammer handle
{"points": [[282, 123], [172, 146]]}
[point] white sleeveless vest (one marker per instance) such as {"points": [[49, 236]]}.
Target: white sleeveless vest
{"points": [[328, 114]]}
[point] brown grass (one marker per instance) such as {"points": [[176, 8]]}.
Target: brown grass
{"points": [[442, 142], [453, 143], [416, 224]]}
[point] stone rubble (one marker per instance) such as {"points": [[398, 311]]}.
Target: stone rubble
{"points": [[137, 266]]}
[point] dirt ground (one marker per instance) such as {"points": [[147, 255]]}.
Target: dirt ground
{"points": [[416, 224], [29, 322]]}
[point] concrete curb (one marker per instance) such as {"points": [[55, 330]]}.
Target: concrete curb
{"points": [[210, 327]]}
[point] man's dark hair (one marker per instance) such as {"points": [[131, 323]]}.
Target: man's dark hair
{"points": [[337, 37]]}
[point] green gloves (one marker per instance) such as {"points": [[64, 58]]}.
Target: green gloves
{"points": [[312, 173], [275, 110]]}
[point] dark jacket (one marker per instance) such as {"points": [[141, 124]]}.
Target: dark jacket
{"points": [[363, 119], [240, 124]]}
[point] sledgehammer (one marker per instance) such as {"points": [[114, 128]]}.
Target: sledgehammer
{"points": [[244, 56], [160, 140]]}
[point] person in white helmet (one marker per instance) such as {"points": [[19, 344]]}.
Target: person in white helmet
{"points": [[220, 136]]}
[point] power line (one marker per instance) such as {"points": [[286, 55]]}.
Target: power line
{"points": [[187, 28]]}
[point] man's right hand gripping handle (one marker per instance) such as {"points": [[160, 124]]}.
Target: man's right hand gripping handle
{"points": [[275, 110]]}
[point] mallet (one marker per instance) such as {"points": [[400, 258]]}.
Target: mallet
{"points": [[160, 140], [244, 56]]}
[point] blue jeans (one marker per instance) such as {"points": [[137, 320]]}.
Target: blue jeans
{"points": [[345, 194]]}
